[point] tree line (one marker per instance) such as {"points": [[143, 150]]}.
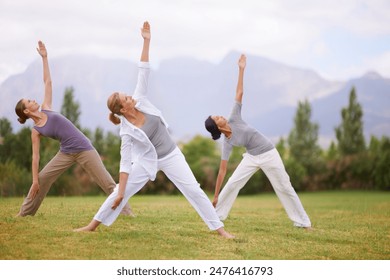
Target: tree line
{"points": [[348, 163]]}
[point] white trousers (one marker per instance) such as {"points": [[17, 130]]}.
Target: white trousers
{"points": [[177, 170], [273, 167]]}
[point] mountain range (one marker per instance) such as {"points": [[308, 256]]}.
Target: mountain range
{"points": [[188, 90]]}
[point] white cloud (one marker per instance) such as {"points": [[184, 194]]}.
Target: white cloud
{"points": [[290, 31]]}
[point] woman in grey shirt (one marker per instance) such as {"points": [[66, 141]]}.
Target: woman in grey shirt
{"points": [[260, 153]]}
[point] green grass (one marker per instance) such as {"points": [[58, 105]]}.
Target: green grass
{"points": [[348, 226]]}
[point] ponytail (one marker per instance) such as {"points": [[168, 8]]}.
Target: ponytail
{"points": [[115, 106], [21, 120], [19, 110], [114, 118], [212, 127]]}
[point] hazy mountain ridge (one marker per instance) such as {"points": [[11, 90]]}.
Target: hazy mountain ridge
{"points": [[188, 90]]}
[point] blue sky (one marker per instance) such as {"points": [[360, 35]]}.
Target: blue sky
{"points": [[339, 39]]}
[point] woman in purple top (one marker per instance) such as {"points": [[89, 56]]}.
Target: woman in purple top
{"points": [[260, 154], [74, 146]]}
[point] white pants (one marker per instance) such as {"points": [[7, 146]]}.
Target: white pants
{"points": [[272, 165], [177, 170]]}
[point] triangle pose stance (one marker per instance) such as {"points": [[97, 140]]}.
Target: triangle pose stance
{"points": [[74, 146], [260, 153], [147, 147]]}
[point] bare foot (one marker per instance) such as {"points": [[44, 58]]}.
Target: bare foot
{"points": [[221, 231], [85, 229], [309, 228], [90, 227]]}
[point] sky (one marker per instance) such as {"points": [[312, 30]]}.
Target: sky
{"points": [[339, 39]]}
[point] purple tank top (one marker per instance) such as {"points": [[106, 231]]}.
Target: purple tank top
{"points": [[57, 127]]}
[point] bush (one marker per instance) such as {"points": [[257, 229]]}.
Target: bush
{"points": [[14, 180], [297, 173]]}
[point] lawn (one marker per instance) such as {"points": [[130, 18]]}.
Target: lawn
{"points": [[348, 226]]}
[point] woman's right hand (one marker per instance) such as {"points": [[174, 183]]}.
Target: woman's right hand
{"points": [[42, 49], [33, 190], [215, 201], [117, 201]]}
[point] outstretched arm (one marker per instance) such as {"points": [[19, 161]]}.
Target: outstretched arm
{"points": [[240, 83], [47, 100], [123, 177], [220, 178], [35, 140], [145, 33], [143, 72], [125, 167]]}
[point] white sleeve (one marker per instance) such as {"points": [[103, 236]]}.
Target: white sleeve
{"points": [[142, 81], [126, 160]]}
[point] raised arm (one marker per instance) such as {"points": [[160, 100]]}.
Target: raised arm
{"points": [[143, 73], [240, 83], [47, 100], [145, 33]]}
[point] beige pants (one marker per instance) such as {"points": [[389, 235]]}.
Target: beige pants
{"points": [[89, 160]]}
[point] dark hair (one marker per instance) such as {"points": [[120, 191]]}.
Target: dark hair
{"points": [[212, 127], [19, 110]]}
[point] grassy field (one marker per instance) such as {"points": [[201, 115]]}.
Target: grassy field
{"points": [[348, 226]]}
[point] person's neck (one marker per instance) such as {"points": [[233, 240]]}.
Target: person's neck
{"points": [[227, 131], [38, 117], [136, 117]]}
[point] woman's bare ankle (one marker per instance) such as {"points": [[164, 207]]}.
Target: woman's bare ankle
{"points": [[221, 231], [91, 227]]}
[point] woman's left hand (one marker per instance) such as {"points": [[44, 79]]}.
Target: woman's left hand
{"points": [[42, 49], [145, 31], [117, 201], [242, 61]]}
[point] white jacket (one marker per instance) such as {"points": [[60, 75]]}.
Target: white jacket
{"points": [[136, 146]]}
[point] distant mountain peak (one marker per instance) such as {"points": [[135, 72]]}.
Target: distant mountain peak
{"points": [[372, 75], [189, 89]]}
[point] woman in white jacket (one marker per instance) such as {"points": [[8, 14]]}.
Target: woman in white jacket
{"points": [[147, 147]]}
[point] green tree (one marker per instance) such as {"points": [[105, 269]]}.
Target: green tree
{"points": [[112, 156], [350, 132], [71, 108], [303, 140], [5, 127], [17, 147], [14, 179], [98, 141], [281, 147], [202, 156], [380, 162], [332, 152]]}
